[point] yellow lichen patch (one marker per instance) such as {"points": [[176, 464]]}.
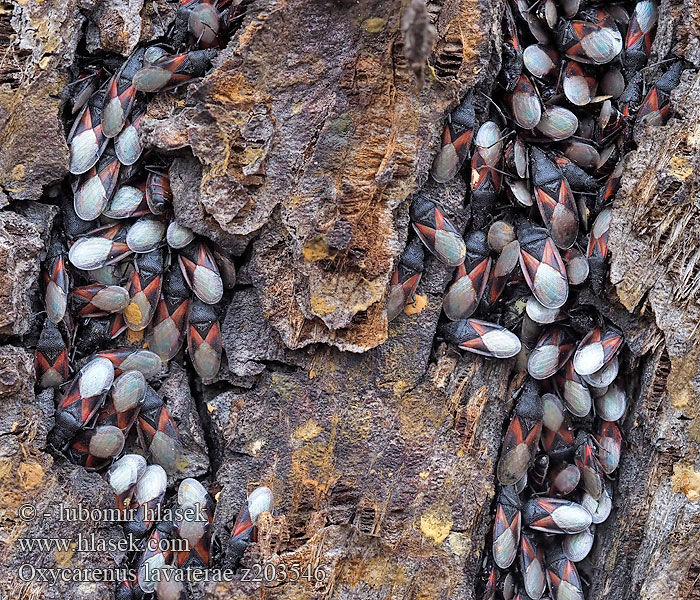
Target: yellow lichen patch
{"points": [[313, 464], [360, 426], [679, 386], [460, 543], [436, 523], [308, 431], [251, 155], [378, 572], [63, 557], [418, 417], [247, 35], [320, 306], [686, 480], [374, 571], [132, 313], [31, 474], [315, 249], [694, 430], [5, 468], [401, 386], [237, 91], [418, 305], [18, 172], [680, 167], [374, 25]]}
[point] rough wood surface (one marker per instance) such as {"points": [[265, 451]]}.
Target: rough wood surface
{"points": [[298, 152]]}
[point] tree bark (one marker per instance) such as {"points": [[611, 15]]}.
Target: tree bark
{"points": [[299, 152]]}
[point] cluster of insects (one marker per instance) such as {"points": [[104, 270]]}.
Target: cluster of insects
{"points": [[124, 286], [545, 167]]}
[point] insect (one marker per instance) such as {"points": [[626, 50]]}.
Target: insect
{"points": [[594, 38], [178, 236], [437, 232], [99, 299], [574, 390], [487, 583], [159, 196], [463, 296], [480, 337], [148, 495], [128, 201], [456, 141], [609, 442], [95, 187], [524, 104], [158, 433], [123, 476], [512, 52], [127, 359], [172, 71], [506, 528], [81, 400], [204, 339], [127, 144], [86, 138], [656, 106], [51, 357], [56, 281], [95, 252], [167, 330], [537, 475], [194, 525], [555, 515], [155, 557], [501, 273], [146, 233], [552, 350], [144, 290], [597, 349], [120, 95], [554, 199], [95, 448], [201, 272], [261, 500], [640, 35], [521, 439], [127, 395], [611, 405], [486, 172], [532, 566], [577, 546], [542, 266], [564, 479], [405, 279]]}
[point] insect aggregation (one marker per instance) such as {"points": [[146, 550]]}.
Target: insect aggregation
{"points": [[546, 163], [126, 286], [545, 168]]}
